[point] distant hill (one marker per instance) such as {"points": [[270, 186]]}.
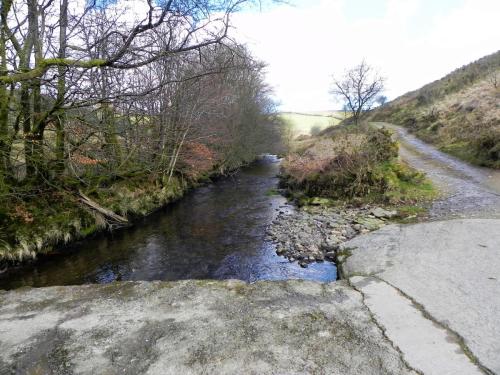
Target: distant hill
{"points": [[460, 113]]}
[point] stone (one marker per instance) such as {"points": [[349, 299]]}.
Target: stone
{"points": [[319, 257], [332, 243], [370, 223], [383, 214], [330, 255]]}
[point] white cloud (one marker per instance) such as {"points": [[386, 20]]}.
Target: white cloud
{"points": [[305, 45]]}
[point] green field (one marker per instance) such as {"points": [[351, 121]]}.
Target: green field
{"points": [[302, 123]]}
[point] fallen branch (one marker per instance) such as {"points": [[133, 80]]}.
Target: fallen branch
{"points": [[104, 211]]}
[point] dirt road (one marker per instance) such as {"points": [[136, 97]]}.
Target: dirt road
{"points": [[467, 191]]}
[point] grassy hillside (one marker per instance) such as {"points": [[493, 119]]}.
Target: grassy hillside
{"points": [[459, 113], [305, 123]]}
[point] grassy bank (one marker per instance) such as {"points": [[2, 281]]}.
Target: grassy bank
{"points": [[459, 114], [38, 224], [42, 223], [355, 165]]}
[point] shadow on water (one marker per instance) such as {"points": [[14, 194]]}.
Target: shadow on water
{"points": [[214, 232]]}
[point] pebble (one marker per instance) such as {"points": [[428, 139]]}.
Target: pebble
{"points": [[313, 234]]}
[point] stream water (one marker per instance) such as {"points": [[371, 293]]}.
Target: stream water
{"points": [[214, 232]]}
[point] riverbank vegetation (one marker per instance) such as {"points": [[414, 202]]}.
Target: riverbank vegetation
{"points": [[109, 110], [459, 113], [354, 164]]}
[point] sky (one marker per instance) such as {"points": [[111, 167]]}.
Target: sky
{"points": [[410, 42]]}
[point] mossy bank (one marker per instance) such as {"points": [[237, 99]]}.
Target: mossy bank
{"points": [[45, 222]]}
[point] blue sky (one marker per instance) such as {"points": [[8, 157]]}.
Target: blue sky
{"points": [[411, 42]]}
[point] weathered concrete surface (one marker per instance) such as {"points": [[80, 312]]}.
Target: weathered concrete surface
{"points": [[193, 327], [450, 270], [426, 346]]}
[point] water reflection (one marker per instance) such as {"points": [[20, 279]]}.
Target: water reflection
{"points": [[215, 232]]}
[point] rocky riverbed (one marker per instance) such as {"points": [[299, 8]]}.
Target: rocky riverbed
{"points": [[314, 233]]}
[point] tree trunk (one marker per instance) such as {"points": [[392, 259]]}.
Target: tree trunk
{"points": [[26, 86], [4, 113], [38, 117], [60, 120], [25, 112], [108, 117], [111, 135]]}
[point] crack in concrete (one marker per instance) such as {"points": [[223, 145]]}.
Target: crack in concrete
{"points": [[383, 330], [420, 307], [341, 275]]}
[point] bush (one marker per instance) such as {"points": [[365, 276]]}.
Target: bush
{"points": [[315, 130], [360, 163], [487, 147]]}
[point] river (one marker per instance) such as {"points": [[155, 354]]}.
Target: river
{"points": [[215, 232]]}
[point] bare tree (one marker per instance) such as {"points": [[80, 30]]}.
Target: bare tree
{"points": [[58, 55], [358, 88]]}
